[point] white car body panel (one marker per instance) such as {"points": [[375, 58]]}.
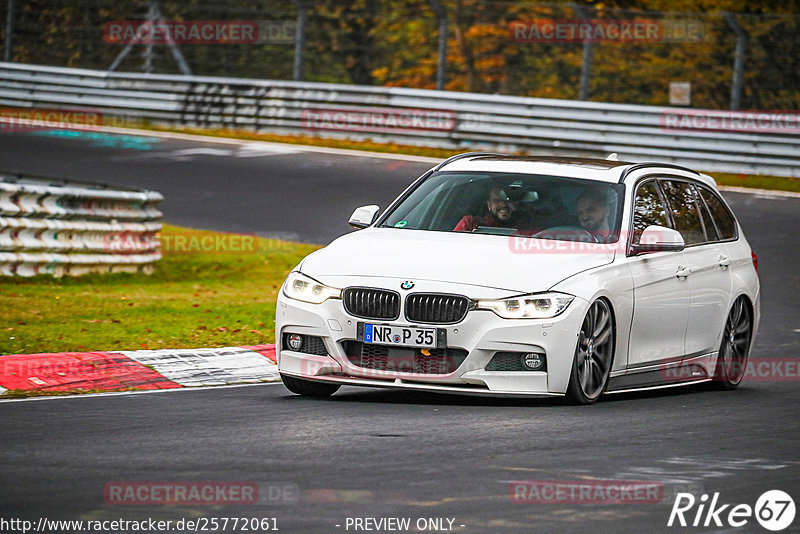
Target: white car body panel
{"points": [[661, 304], [710, 293], [475, 260]]}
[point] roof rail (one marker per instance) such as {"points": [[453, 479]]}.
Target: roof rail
{"points": [[645, 165], [451, 159]]}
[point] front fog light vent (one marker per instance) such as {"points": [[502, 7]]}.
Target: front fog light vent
{"points": [[517, 361], [533, 361], [305, 344], [295, 341]]}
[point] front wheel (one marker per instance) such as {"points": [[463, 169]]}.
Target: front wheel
{"points": [[735, 347], [594, 355], [308, 388]]}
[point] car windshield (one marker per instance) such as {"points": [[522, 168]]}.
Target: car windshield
{"points": [[529, 205]]}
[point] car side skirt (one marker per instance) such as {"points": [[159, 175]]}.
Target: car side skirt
{"points": [[670, 373]]}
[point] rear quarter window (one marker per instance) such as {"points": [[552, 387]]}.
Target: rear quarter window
{"points": [[723, 218]]}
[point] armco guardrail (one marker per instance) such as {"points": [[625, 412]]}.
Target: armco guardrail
{"points": [[762, 143], [69, 228]]}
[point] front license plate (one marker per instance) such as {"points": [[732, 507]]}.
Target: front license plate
{"points": [[404, 336]]}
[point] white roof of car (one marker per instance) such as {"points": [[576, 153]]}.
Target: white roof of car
{"points": [[587, 168]]}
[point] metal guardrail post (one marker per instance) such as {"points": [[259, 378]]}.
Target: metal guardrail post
{"points": [[441, 62], [588, 52], [299, 39], [7, 55], [737, 80]]}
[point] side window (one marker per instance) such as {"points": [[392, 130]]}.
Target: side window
{"points": [[726, 226], [705, 215], [648, 209], [685, 213]]}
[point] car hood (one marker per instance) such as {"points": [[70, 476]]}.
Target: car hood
{"points": [[514, 264]]}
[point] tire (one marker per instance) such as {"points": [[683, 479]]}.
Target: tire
{"points": [[594, 355], [734, 349], [309, 388]]}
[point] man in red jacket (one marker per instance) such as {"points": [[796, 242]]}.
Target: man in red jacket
{"points": [[498, 213]]}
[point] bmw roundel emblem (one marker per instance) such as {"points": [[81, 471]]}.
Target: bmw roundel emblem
{"points": [[408, 284]]}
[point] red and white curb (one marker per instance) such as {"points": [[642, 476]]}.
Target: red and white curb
{"points": [[137, 370], [209, 367]]}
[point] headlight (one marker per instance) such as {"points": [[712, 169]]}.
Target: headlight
{"points": [[539, 306], [300, 287]]}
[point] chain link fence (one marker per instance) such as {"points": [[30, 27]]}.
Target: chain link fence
{"points": [[587, 51]]}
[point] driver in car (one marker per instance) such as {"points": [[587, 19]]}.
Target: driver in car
{"points": [[497, 213], [593, 210]]}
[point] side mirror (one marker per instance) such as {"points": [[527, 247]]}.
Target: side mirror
{"points": [[364, 216], [658, 239]]}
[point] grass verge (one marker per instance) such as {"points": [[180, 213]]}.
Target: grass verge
{"points": [[774, 183], [201, 295]]}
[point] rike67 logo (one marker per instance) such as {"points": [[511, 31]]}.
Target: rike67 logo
{"points": [[774, 510]]}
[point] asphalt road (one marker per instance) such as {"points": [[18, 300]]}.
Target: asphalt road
{"points": [[375, 453], [280, 192]]}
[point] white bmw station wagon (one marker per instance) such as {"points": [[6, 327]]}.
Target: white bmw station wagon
{"points": [[527, 276]]}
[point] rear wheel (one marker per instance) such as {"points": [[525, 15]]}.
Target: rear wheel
{"points": [[735, 347], [593, 355], [308, 388]]}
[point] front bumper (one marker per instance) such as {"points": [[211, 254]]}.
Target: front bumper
{"points": [[481, 334]]}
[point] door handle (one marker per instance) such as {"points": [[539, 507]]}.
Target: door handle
{"points": [[724, 261], [683, 272]]}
